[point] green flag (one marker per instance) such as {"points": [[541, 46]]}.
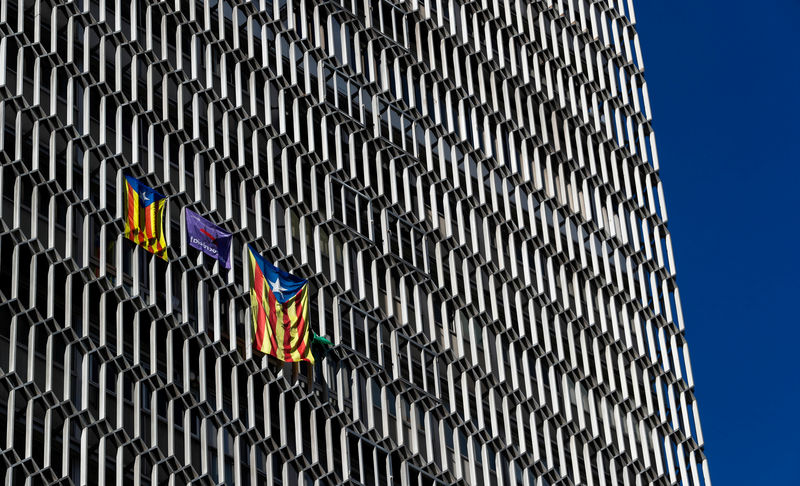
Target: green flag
{"points": [[320, 347]]}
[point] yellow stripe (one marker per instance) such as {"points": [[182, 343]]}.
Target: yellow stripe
{"points": [[293, 339], [296, 337], [158, 221], [266, 344], [307, 333], [279, 334]]}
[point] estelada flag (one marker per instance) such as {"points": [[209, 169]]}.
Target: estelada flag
{"points": [[279, 305], [144, 217], [208, 238]]}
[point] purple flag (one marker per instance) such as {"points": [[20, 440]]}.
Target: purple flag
{"points": [[208, 238]]}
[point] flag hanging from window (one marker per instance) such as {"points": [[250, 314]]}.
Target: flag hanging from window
{"points": [[279, 305], [144, 217], [208, 238]]}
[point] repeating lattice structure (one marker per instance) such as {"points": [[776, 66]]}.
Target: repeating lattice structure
{"points": [[471, 188]]}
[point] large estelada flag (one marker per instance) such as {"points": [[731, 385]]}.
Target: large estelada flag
{"points": [[144, 217], [208, 238], [279, 305]]}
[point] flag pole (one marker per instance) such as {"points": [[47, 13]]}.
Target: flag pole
{"points": [[310, 376]]}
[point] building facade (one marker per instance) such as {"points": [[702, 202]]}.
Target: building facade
{"points": [[471, 189]]}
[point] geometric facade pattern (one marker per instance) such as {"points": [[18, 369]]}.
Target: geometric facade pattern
{"points": [[471, 189]]}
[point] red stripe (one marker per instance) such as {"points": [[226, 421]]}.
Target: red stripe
{"points": [[287, 331], [141, 231], [261, 315], [273, 322], [148, 222], [131, 206], [301, 325]]}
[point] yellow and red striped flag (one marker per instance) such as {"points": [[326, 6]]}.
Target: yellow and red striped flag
{"points": [[144, 217], [279, 305]]}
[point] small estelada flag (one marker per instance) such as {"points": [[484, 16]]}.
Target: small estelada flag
{"points": [[279, 305], [144, 217], [208, 238]]}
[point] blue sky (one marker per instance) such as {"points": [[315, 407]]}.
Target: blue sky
{"points": [[723, 79]]}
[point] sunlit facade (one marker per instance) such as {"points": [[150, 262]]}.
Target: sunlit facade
{"points": [[471, 189]]}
